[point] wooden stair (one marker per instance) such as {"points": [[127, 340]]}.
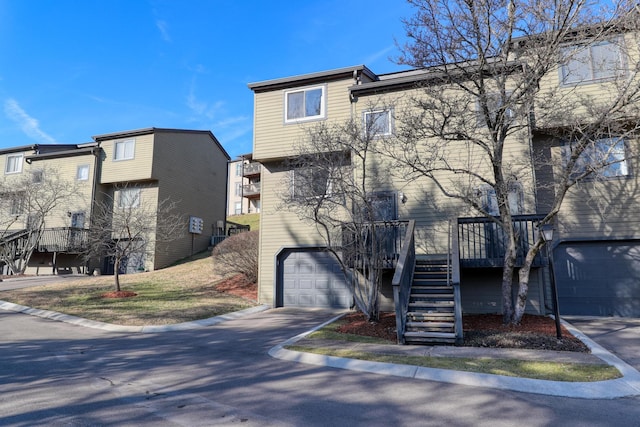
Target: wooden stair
{"points": [[431, 315]]}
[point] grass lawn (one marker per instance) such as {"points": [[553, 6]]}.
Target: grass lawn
{"points": [[181, 293], [553, 371]]}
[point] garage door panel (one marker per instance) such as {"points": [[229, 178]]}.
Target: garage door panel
{"points": [[312, 279], [598, 278]]}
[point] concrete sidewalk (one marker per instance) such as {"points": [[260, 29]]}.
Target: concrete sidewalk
{"points": [[628, 385]]}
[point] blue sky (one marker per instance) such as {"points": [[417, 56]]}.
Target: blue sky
{"points": [[72, 69]]}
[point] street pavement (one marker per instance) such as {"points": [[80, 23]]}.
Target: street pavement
{"points": [[59, 374]]}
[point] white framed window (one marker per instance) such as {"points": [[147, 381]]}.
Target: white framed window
{"points": [[82, 173], [124, 150], [593, 62], [605, 157], [238, 191], [239, 167], [14, 164], [237, 210], [129, 198], [378, 123], [304, 104]]}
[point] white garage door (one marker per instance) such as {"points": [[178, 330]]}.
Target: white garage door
{"points": [[311, 278]]}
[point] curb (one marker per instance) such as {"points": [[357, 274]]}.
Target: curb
{"points": [[628, 385], [79, 321]]}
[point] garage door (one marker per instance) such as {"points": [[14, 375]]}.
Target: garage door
{"points": [[311, 279], [599, 278]]}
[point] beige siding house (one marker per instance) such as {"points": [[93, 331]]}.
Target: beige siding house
{"points": [[597, 240], [243, 186], [185, 166]]}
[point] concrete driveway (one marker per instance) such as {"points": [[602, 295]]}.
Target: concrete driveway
{"points": [[621, 336]]}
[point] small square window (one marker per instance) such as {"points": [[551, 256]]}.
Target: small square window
{"points": [[124, 150], [14, 164], [37, 176], [377, 123], [129, 198], [304, 104], [82, 173]]}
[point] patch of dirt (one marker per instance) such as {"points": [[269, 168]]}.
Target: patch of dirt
{"points": [[239, 286], [119, 294], [480, 330]]}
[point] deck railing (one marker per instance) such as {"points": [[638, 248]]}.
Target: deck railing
{"points": [[402, 279], [483, 242], [251, 189], [253, 168], [383, 238], [63, 239]]}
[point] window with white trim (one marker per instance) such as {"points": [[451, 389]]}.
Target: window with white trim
{"points": [[304, 104], [237, 208], [124, 150], [591, 62], [238, 189], [82, 173], [239, 168], [129, 198], [14, 164], [378, 123], [494, 103], [605, 157]]}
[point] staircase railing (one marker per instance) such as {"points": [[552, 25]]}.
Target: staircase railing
{"points": [[454, 262], [402, 279]]}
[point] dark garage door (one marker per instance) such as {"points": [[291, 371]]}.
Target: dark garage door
{"points": [[311, 278], [598, 278]]}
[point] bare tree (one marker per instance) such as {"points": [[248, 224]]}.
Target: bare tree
{"points": [[331, 185], [127, 229], [27, 202], [238, 254], [492, 82]]}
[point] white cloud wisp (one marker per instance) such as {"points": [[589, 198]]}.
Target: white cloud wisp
{"points": [[29, 125]]}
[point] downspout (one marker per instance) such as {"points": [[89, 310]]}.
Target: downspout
{"points": [[97, 164]]}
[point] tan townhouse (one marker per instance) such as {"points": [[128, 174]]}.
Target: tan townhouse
{"points": [[595, 245], [142, 167]]}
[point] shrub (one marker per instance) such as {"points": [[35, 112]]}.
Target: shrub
{"points": [[238, 254]]}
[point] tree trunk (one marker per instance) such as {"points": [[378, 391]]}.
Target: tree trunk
{"points": [[523, 282], [116, 273]]}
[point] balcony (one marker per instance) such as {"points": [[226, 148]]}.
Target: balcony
{"points": [[251, 169], [482, 241], [63, 239], [359, 241], [251, 191]]}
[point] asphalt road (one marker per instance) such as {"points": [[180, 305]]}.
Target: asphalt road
{"points": [[56, 374]]}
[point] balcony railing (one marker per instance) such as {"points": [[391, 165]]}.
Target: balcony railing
{"points": [[250, 190], [483, 242], [250, 169], [63, 239], [378, 243]]}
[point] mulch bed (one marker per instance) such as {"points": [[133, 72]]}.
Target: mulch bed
{"points": [[119, 294], [480, 330], [239, 286]]}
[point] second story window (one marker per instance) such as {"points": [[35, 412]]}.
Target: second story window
{"points": [[83, 173], [604, 157], [129, 198], [14, 164], [304, 104], [238, 189], [591, 62], [124, 150], [377, 123], [239, 169]]}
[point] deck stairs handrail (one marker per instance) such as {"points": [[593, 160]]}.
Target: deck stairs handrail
{"points": [[402, 279]]}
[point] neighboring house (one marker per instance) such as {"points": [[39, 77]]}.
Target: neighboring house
{"points": [[596, 256], [149, 165], [244, 186]]}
